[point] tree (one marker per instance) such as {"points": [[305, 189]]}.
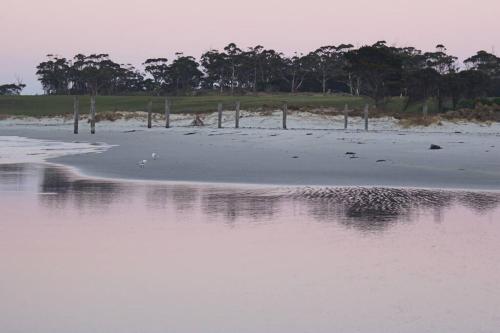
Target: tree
{"points": [[440, 60], [12, 89], [488, 64], [378, 71], [185, 73], [299, 66], [379, 68], [328, 62], [53, 74], [216, 69], [421, 84], [484, 62], [159, 70], [233, 54], [254, 58]]}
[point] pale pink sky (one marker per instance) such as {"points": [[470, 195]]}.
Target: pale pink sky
{"points": [[133, 30]]}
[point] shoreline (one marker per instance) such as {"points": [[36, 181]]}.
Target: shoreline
{"points": [[271, 157], [80, 175]]}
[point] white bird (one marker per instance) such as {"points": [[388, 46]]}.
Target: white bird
{"points": [[155, 156], [142, 163]]}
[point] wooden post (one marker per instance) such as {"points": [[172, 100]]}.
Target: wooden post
{"points": [[150, 109], [425, 110], [92, 114], [237, 117], [167, 113], [345, 116], [76, 109], [367, 107], [219, 115], [285, 112]]}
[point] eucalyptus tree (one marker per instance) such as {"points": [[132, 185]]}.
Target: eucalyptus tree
{"points": [[379, 68], [12, 88], [328, 62], [251, 62], [273, 71], [439, 60], [377, 71], [444, 64], [216, 69], [53, 74], [299, 67], [486, 63], [99, 72], [159, 70], [233, 55], [420, 84], [130, 80], [415, 73], [185, 73]]}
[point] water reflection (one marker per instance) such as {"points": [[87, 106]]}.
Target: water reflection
{"points": [[364, 209], [377, 208], [13, 175], [257, 204], [203, 258], [83, 194]]}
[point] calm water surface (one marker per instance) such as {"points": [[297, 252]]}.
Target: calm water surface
{"points": [[79, 255]]}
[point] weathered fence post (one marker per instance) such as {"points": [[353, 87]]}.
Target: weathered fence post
{"points": [[367, 107], [167, 113], [237, 117], [76, 109], [425, 110], [345, 116], [150, 110], [285, 112], [92, 114], [219, 115]]}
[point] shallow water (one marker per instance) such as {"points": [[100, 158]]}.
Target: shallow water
{"points": [[81, 255]]}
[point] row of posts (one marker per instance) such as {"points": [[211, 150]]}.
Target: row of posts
{"points": [[168, 105]]}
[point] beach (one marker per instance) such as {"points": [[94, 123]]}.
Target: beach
{"points": [[314, 151]]}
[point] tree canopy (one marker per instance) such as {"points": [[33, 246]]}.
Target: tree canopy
{"points": [[11, 88], [378, 71]]}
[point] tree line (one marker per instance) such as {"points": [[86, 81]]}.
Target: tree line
{"points": [[379, 71], [11, 88]]}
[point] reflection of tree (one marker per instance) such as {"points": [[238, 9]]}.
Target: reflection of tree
{"points": [[365, 209], [181, 197], [184, 197], [13, 174], [232, 204], [479, 202], [82, 193], [371, 209]]}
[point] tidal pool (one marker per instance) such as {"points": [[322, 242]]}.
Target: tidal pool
{"points": [[83, 255]]}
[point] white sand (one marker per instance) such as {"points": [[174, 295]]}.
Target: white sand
{"points": [[265, 120], [311, 152]]}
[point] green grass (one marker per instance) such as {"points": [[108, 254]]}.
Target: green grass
{"points": [[39, 106], [397, 106]]}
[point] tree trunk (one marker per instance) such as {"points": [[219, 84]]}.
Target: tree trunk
{"points": [[255, 80], [232, 82], [324, 83], [350, 85], [92, 114]]}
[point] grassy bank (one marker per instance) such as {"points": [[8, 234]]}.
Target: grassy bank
{"points": [[39, 106]]}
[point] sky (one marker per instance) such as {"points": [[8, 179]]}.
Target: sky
{"points": [[132, 30]]}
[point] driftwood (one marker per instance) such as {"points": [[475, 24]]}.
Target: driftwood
{"points": [[197, 121]]}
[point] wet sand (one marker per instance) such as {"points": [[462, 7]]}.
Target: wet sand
{"points": [[285, 157]]}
